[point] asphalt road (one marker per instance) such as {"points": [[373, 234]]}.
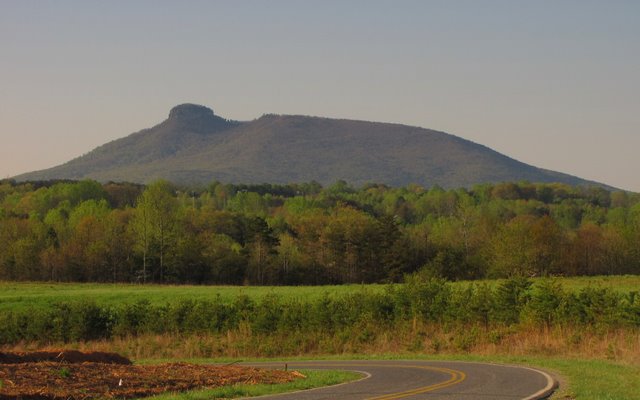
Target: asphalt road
{"points": [[390, 380]]}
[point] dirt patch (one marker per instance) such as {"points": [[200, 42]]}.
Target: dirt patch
{"points": [[67, 356], [85, 380]]}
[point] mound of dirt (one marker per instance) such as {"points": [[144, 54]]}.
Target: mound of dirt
{"points": [[66, 356], [84, 380]]}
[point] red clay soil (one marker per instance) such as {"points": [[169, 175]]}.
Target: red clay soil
{"points": [[37, 379]]}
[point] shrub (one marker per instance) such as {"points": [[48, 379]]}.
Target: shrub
{"points": [[266, 316], [136, 318], [546, 297], [427, 299], [511, 296]]}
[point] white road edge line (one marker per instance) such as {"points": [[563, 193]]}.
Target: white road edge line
{"points": [[551, 384], [366, 376]]}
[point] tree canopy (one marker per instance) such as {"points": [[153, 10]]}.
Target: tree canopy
{"points": [[307, 234]]}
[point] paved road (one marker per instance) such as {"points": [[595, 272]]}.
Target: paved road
{"points": [[390, 380]]}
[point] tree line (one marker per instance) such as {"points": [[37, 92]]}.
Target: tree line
{"points": [[308, 234]]}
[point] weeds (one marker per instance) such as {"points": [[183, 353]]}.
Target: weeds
{"points": [[64, 372]]}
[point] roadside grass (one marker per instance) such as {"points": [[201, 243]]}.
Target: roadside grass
{"points": [[583, 379], [594, 379], [597, 366], [314, 379], [15, 296], [579, 379]]}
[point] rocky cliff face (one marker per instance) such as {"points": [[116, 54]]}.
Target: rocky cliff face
{"points": [[187, 112], [195, 118]]}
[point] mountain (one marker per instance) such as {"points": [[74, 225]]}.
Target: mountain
{"points": [[194, 145]]}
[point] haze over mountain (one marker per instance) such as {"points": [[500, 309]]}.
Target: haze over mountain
{"points": [[194, 145]]}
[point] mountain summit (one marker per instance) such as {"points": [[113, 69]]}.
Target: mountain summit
{"points": [[194, 118], [196, 146], [189, 111]]}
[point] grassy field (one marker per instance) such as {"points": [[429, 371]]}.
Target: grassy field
{"points": [[625, 283], [594, 363], [313, 379], [16, 295]]}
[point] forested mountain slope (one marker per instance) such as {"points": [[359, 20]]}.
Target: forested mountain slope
{"points": [[196, 146]]}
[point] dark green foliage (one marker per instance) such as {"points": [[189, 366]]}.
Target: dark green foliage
{"points": [[469, 310], [82, 321], [597, 307], [451, 263], [510, 298], [64, 322], [427, 299], [138, 318], [631, 308], [546, 298]]}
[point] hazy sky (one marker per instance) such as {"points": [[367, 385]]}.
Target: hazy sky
{"points": [[552, 83]]}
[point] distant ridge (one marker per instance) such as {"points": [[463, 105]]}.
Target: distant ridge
{"points": [[195, 146]]}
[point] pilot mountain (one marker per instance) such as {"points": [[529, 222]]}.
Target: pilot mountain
{"points": [[196, 146]]}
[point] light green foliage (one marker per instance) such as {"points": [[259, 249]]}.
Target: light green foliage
{"points": [[155, 226], [79, 231], [89, 208], [300, 204], [249, 203]]}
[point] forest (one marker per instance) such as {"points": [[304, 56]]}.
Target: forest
{"points": [[306, 234]]}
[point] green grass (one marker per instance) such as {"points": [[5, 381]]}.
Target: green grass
{"points": [[580, 379], [595, 379], [584, 379], [620, 283], [314, 379], [625, 283], [17, 295]]}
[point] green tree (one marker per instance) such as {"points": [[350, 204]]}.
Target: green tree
{"points": [[155, 222], [587, 250], [260, 247]]}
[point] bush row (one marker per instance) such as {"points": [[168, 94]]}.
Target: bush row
{"points": [[514, 302]]}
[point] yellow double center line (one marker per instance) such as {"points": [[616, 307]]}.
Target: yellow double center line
{"points": [[455, 378]]}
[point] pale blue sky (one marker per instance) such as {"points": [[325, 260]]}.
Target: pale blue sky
{"points": [[554, 83]]}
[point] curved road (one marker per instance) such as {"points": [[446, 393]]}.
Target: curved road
{"points": [[390, 380]]}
